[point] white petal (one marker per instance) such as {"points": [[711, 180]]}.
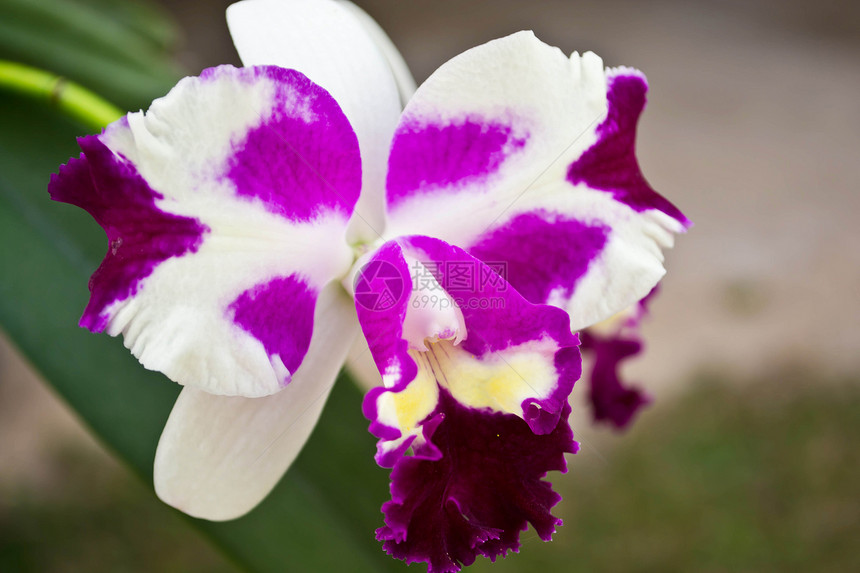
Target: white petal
{"points": [[402, 76], [329, 44], [219, 456], [432, 314], [361, 367]]}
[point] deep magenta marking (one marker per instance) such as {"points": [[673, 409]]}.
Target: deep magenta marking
{"points": [[474, 488], [543, 254], [429, 156], [280, 314], [610, 164], [304, 158], [140, 235]]}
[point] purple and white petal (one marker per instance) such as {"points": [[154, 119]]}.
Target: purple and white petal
{"points": [[473, 408], [328, 42], [226, 206], [518, 153], [514, 357], [382, 293], [221, 455]]}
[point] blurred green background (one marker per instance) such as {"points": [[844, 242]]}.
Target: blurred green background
{"points": [[747, 460]]}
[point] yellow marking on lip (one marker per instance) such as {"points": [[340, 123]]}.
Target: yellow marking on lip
{"points": [[415, 402], [499, 381]]}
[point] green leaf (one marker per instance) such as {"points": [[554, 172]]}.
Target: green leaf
{"points": [[322, 516], [118, 49]]}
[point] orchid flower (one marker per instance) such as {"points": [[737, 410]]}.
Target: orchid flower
{"points": [[263, 220]]}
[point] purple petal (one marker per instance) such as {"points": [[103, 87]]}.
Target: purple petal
{"points": [[613, 401], [480, 494]]}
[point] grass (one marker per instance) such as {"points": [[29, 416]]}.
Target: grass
{"points": [[760, 477]]}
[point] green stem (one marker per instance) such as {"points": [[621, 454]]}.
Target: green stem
{"points": [[71, 99]]}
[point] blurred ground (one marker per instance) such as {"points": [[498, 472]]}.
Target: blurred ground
{"points": [[753, 129]]}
